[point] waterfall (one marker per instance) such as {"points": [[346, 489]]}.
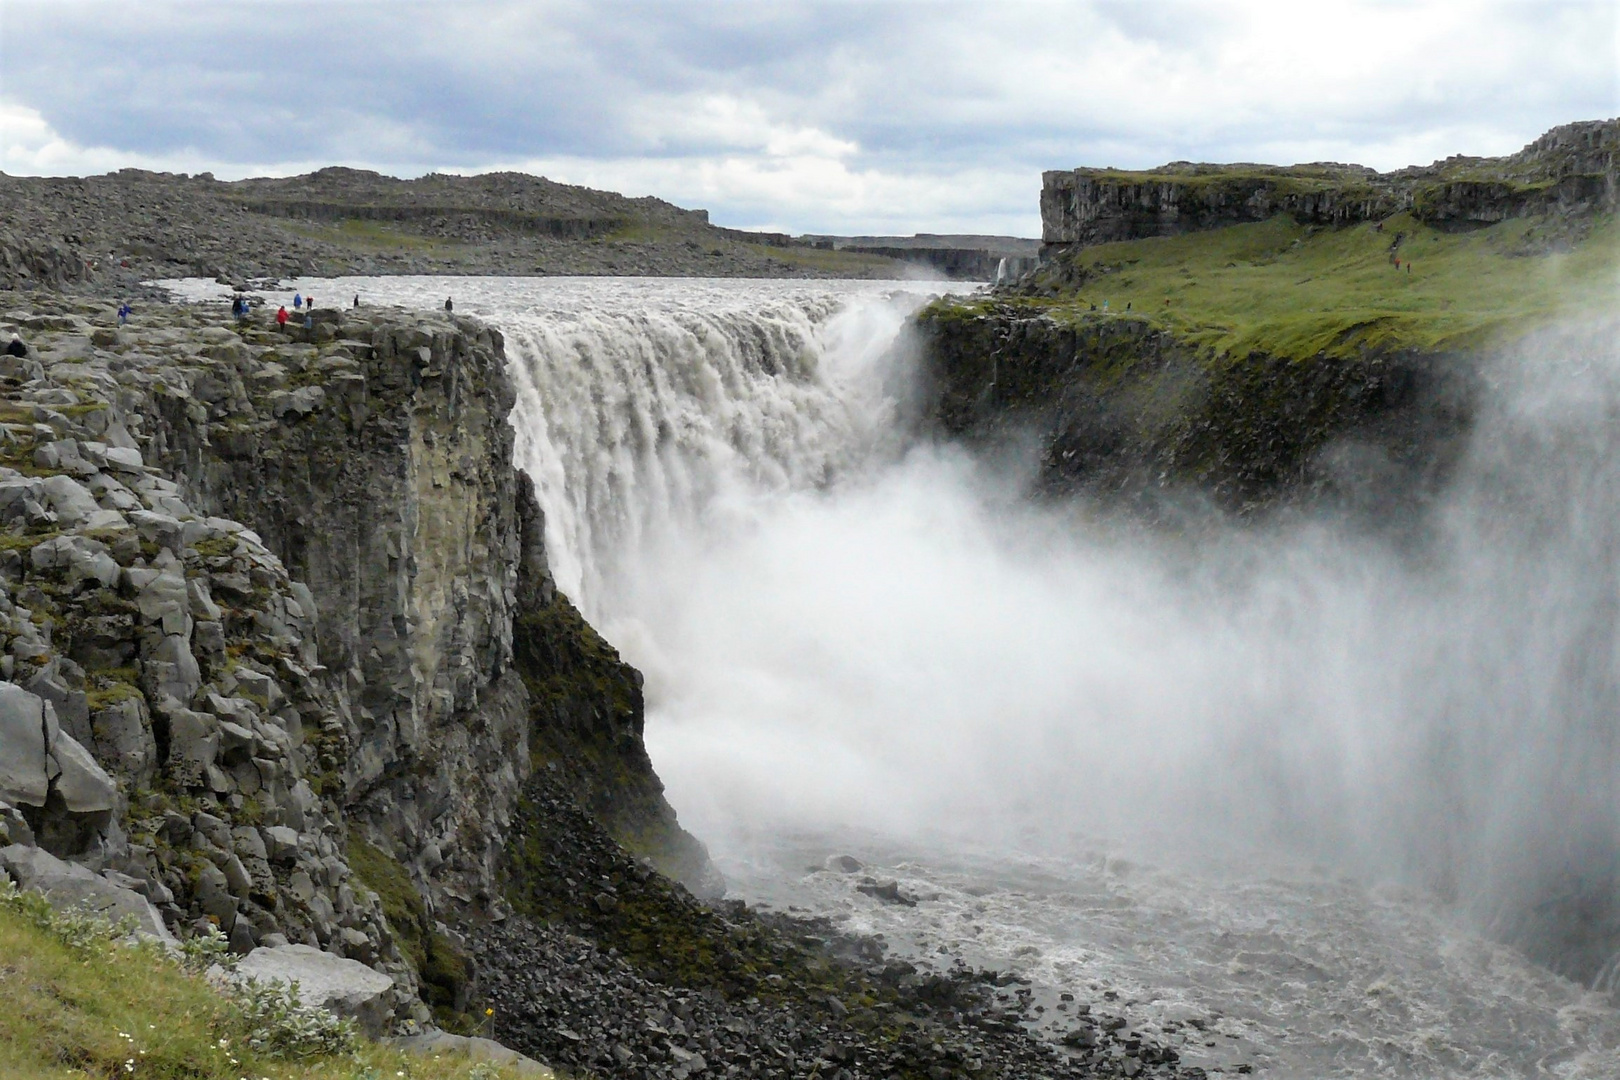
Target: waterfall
{"points": [[733, 495], [844, 624], [639, 422]]}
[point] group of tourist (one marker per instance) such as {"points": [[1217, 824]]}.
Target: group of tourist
{"points": [[303, 303]]}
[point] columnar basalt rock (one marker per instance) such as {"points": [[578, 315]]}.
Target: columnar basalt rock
{"points": [[376, 461], [259, 608]]}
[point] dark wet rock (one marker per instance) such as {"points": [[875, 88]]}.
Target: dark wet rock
{"points": [[886, 891]]}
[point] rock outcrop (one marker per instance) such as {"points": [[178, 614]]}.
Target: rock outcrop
{"points": [[1571, 169], [1120, 406], [262, 629]]}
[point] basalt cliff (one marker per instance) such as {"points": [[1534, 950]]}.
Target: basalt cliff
{"points": [[1257, 334], [1570, 170], [281, 638]]}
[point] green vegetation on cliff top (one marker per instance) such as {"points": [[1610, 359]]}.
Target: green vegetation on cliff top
{"points": [[1295, 291]]}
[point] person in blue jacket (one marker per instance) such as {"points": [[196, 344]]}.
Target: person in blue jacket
{"points": [[298, 300]]}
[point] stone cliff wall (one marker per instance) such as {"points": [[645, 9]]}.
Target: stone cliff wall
{"points": [[376, 463], [1571, 169], [280, 631], [1114, 404]]}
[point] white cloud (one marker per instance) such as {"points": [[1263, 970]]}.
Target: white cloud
{"points": [[30, 146], [815, 117], [780, 192]]}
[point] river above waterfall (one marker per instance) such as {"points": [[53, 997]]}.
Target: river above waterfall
{"points": [[1274, 778]]}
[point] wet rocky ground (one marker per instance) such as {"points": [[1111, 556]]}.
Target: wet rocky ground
{"points": [[609, 969]]}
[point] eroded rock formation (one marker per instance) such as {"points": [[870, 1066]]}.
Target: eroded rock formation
{"points": [[262, 626]]}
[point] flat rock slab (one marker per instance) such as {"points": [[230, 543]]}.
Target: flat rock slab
{"points": [[68, 886], [22, 746], [345, 987], [474, 1048]]}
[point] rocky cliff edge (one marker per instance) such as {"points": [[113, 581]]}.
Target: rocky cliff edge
{"points": [[280, 644]]}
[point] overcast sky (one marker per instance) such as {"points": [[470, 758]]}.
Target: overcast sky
{"points": [[809, 117]]}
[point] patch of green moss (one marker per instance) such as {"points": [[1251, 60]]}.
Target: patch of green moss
{"points": [[586, 717], [105, 694], [216, 547], [24, 541], [250, 813], [442, 970]]}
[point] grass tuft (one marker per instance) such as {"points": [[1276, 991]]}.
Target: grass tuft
{"points": [[77, 1000]]}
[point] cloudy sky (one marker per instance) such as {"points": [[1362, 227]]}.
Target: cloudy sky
{"points": [[924, 115]]}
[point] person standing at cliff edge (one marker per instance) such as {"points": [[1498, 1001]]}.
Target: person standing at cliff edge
{"points": [[298, 301], [448, 306]]}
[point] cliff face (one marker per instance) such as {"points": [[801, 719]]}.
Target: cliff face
{"points": [[377, 466], [1571, 169], [1117, 405], [285, 599], [1253, 332]]}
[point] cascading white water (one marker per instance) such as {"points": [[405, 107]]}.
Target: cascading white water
{"points": [[857, 638], [643, 421]]}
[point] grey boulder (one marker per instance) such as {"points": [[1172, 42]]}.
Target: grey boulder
{"points": [[70, 499], [70, 886], [472, 1047], [344, 987], [36, 755], [22, 746]]}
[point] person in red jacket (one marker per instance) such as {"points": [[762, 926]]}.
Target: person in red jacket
{"points": [[281, 316]]}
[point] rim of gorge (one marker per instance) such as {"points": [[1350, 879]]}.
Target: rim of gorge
{"points": [[285, 657]]}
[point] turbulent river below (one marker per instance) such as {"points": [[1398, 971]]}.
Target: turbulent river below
{"points": [[1298, 782]]}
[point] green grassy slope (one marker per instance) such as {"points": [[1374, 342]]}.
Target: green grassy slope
{"points": [[77, 1006], [1292, 292]]}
